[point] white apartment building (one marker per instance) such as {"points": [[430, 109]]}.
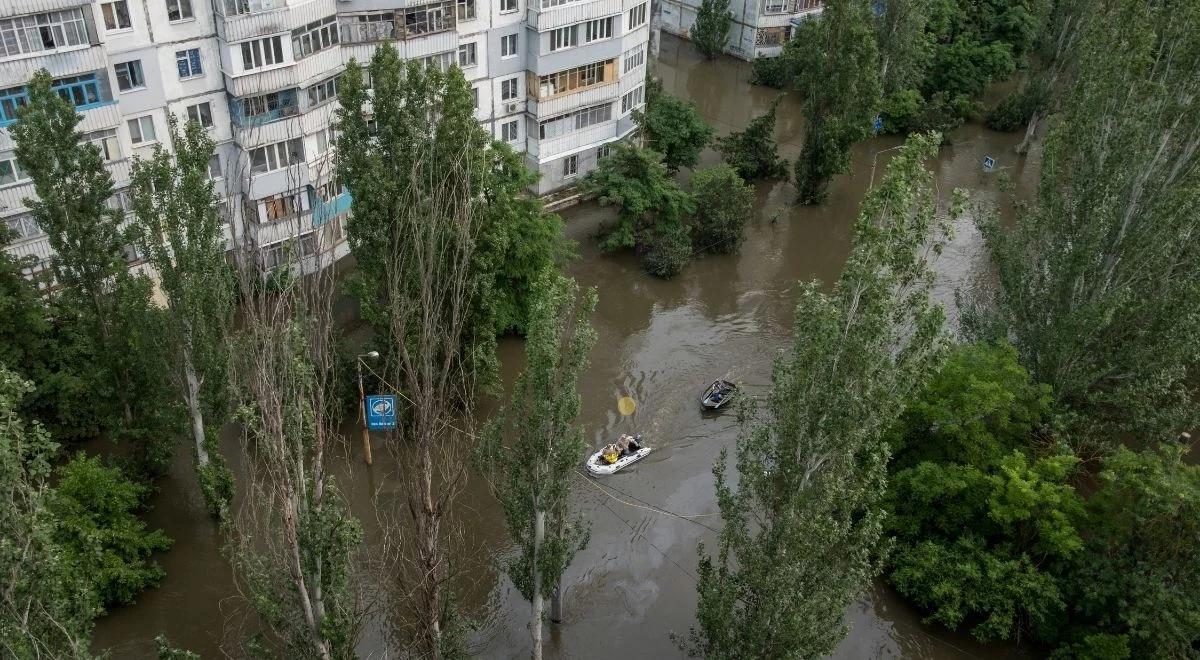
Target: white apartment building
{"points": [[556, 79], [760, 27]]}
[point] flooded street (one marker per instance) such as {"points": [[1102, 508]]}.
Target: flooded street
{"points": [[660, 342]]}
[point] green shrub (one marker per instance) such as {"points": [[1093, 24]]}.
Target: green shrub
{"points": [[723, 203]]}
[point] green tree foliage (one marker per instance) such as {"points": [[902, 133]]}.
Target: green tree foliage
{"points": [[710, 32], [781, 72], [803, 523], [1018, 108], [1139, 580], [723, 204], [1098, 280], [841, 88], [651, 211], [178, 226], [532, 450], [672, 127], [979, 408], [752, 152], [100, 534], [905, 47], [47, 602], [106, 326]]}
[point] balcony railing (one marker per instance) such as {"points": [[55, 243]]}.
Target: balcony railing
{"points": [[247, 7], [323, 212], [83, 92], [285, 105]]}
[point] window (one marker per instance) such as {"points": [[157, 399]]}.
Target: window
{"points": [[312, 38], [570, 166], [262, 52], [475, 95], [281, 206], [141, 130], [41, 32], [507, 6], [326, 139], [603, 151], [121, 202], [565, 37], [634, 59], [508, 46], [441, 61], [10, 100], [574, 79], [129, 75], [632, 100], [465, 10], [116, 15], [601, 28], [188, 63], [214, 167], [276, 156], [106, 142], [772, 36], [637, 17], [22, 227], [466, 55], [178, 10], [201, 113], [380, 26], [508, 89], [79, 91], [508, 131], [322, 92], [10, 172], [574, 121], [265, 108]]}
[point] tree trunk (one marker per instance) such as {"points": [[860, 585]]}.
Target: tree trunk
{"points": [[535, 621], [1023, 148], [556, 603], [193, 404]]}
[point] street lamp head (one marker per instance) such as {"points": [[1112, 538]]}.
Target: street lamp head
{"points": [[374, 355]]}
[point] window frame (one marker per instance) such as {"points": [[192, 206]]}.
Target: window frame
{"points": [[106, 141], [109, 12], [179, 6], [468, 55], [516, 89], [636, 17], [18, 175], [564, 37], [570, 166], [504, 41], [26, 35], [598, 29], [141, 133], [505, 7], [504, 130], [465, 10], [255, 51], [133, 69], [203, 111], [189, 59]]}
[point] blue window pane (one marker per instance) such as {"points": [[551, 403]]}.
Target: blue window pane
{"points": [[182, 64], [194, 57]]}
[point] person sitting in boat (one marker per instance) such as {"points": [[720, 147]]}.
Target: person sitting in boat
{"points": [[628, 445], [716, 397]]}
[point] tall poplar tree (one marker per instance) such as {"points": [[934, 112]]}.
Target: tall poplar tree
{"points": [[105, 311], [1098, 282], [904, 45], [178, 226], [710, 32], [841, 88], [533, 449], [803, 520]]}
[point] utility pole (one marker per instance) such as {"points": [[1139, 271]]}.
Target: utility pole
{"points": [[362, 404]]}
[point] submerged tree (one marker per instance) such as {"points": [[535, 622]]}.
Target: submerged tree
{"points": [[904, 44], [434, 205], [46, 603], [652, 208], [1098, 282], [840, 83], [803, 523], [710, 32], [532, 452], [723, 204], [102, 310], [672, 127], [178, 226], [293, 542], [753, 151]]}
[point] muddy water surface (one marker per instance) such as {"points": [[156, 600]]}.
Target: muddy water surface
{"points": [[659, 343]]}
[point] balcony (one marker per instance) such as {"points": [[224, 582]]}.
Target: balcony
{"points": [[325, 211], [262, 110], [84, 92], [399, 25], [232, 8]]}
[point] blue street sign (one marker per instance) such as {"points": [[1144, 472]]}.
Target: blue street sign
{"points": [[988, 162], [381, 412], [878, 124]]}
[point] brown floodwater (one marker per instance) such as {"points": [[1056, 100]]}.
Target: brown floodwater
{"points": [[659, 342]]}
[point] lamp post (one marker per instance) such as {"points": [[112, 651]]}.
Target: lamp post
{"points": [[362, 403]]}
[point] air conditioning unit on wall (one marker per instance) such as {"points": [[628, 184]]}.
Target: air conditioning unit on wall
{"points": [[510, 108]]}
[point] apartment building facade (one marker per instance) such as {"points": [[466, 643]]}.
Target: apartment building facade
{"points": [[555, 79], [760, 27]]}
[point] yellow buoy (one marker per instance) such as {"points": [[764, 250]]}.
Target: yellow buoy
{"points": [[626, 405]]}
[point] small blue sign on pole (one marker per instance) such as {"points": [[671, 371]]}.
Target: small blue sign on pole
{"points": [[878, 124], [381, 412], [989, 163]]}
